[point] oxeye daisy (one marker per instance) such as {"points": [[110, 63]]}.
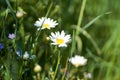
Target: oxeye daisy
{"points": [[45, 23], [60, 39], [78, 60]]}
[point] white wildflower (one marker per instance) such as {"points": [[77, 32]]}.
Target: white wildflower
{"points": [[45, 23], [78, 60], [60, 39]]}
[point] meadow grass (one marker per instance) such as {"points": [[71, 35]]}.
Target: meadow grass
{"points": [[59, 40]]}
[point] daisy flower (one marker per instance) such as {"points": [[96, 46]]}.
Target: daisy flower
{"points": [[78, 60], [60, 39], [46, 23]]}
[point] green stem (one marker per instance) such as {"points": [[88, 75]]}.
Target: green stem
{"points": [[50, 7], [58, 62], [78, 27], [21, 69], [65, 70], [3, 30], [14, 16], [80, 17]]}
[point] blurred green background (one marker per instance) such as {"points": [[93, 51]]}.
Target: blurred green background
{"points": [[105, 31]]}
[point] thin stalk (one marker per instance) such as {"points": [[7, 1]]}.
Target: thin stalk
{"points": [[21, 69], [43, 76], [78, 27], [85, 76], [14, 16], [80, 17], [65, 70], [73, 44], [50, 7], [3, 30], [38, 76], [58, 62]]}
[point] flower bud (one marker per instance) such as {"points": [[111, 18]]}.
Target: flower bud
{"points": [[37, 68]]}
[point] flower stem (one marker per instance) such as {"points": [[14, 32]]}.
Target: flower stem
{"points": [[58, 62], [80, 17], [65, 70]]}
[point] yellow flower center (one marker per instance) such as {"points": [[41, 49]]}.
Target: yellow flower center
{"points": [[45, 25], [76, 64], [60, 41]]}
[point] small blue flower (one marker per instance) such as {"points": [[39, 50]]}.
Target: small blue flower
{"points": [[1, 46], [32, 57], [19, 53], [25, 55]]}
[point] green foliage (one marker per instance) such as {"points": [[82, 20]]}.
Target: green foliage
{"points": [[94, 28]]}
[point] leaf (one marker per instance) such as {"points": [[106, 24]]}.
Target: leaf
{"points": [[79, 44], [95, 19]]}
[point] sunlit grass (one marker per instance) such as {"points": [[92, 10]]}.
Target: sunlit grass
{"points": [[88, 29]]}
